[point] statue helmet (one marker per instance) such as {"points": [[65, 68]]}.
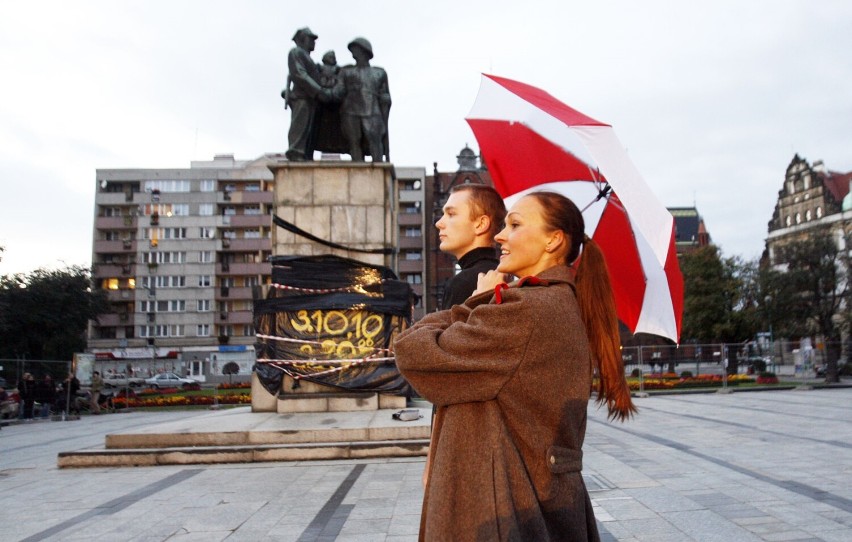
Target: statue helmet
{"points": [[304, 32], [362, 43]]}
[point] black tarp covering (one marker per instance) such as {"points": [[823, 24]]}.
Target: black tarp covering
{"points": [[333, 309]]}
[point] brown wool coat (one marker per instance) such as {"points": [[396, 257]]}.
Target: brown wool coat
{"points": [[512, 383]]}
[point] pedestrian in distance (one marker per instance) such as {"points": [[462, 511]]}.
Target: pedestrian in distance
{"points": [[45, 395], [26, 392], [97, 386], [511, 372]]}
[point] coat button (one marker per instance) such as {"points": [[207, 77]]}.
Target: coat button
{"points": [[553, 460]]}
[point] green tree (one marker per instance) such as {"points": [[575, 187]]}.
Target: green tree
{"points": [[818, 273], [44, 315], [720, 299]]}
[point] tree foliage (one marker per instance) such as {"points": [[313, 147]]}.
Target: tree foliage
{"points": [[44, 315], [720, 297], [816, 290]]}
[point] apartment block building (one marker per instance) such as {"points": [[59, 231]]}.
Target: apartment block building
{"points": [[178, 252], [413, 259]]}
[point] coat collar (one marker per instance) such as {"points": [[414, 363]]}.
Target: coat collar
{"points": [[558, 274]]}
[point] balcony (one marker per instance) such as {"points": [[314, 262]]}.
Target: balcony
{"points": [[112, 247], [102, 270], [246, 197], [411, 242], [251, 221], [114, 198], [236, 317], [112, 320], [115, 222], [410, 266], [115, 296], [410, 219], [233, 293], [246, 245], [410, 195], [244, 268]]}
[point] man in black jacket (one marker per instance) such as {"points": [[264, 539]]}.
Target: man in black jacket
{"points": [[473, 215]]}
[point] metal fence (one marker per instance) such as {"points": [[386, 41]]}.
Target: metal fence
{"points": [[786, 357]]}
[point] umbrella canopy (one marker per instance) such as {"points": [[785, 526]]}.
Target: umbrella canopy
{"points": [[530, 141]]}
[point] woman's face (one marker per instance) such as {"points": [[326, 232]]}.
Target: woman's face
{"points": [[524, 239]]}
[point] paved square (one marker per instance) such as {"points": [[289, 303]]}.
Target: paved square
{"points": [[756, 466]]}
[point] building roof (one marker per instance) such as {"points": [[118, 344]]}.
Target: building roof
{"points": [[837, 183]]}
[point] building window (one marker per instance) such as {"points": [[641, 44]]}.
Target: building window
{"points": [[819, 212], [253, 210], [202, 305], [412, 231], [205, 256], [808, 215], [798, 218], [167, 186], [208, 233], [202, 330], [206, 209], [414, 278], [789, 220], [251, 234], [413, 256], [204, 281], [208, 185]]}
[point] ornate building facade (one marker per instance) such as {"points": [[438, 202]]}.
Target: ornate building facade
{"points": [[811, 197]]}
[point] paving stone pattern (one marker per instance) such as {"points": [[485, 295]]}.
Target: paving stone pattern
{"points": [[768, 466]]}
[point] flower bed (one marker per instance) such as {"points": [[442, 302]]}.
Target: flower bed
{"points": [[183, 400], [767, 378], [234, 386], [667, 382], [170, 397]]}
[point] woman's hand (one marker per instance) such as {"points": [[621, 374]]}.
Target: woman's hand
{"points": [[488, 281]]}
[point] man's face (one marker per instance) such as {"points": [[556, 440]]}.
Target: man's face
{"points": [[309, 42], [456, 227]]}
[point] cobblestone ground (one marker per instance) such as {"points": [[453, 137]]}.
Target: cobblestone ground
{"points": [[757, 466]]}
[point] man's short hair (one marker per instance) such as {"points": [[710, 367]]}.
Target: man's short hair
{"points": [[484, 200]]}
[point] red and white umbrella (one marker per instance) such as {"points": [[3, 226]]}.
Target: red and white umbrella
{"points": [[530, 141]]}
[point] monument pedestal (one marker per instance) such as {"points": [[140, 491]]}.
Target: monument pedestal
{"points": [[348, 203], [352, 204]]}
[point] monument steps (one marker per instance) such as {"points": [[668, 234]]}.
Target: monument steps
{"points": [[241, 436], [195, 455]]}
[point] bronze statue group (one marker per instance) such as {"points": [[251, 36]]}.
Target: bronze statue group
{"points": [[334, 109]]}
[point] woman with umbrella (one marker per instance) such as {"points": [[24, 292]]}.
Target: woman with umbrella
{"points": [[510, 372]]}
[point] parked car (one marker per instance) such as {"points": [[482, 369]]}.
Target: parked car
{"points": [[9, 405], [171, 380], [120, 380]]}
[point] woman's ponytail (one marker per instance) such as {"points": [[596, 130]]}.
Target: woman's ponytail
{"points": [[597, 309]]}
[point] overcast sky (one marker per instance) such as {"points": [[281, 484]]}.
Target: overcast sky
{"points": [[711, 99]]}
